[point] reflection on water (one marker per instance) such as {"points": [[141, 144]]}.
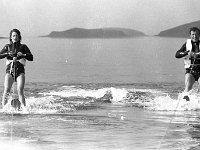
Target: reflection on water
{"points": [[137, 129], [181, 132]]}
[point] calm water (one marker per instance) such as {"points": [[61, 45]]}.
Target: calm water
{"points": [[103, 94], [146, 59]]}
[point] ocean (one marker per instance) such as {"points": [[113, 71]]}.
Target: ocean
{"points": [[103, 94]]}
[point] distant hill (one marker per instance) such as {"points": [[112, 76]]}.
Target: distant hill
{"points": [[96, 33], [4, 37], [179, 31]]}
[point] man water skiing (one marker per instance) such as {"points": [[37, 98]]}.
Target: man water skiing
{"points": [[191, 53]]}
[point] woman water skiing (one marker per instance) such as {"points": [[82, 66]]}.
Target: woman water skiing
{"points": [[16, 54]]}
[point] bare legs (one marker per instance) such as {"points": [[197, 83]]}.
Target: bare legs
{"points": [[7, 86], [189, 81], [20, 88]]}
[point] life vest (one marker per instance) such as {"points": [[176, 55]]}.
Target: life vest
{"points": [[187, 59], [22, 60]]}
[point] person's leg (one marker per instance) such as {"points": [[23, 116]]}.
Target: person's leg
{"points": [[20, 88], [7, 86], [189, 81]]}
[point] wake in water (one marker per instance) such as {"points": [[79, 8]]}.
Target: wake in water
{"points": [[64, 99], [167, 104]]}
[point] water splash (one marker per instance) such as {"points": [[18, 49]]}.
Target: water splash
{"points": [[75, 98], [166, 103], [16, 145], [64, 99]]}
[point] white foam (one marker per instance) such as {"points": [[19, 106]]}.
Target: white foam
{"points": [[165, 103], [15, 145], [52, 101], [118, 94], [43, 105], [73, 92]]}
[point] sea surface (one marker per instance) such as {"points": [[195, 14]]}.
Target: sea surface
{"points": [[103, 94]]}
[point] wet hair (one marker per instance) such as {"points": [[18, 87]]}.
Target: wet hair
{"points": [[195, 29], [18, 32]]}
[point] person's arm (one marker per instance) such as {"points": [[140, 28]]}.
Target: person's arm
{"points": [[4, 52], [182, 52], [26, 54]]}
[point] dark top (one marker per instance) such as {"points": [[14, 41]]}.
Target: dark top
{"points": [[183, 52], [14, 49]]}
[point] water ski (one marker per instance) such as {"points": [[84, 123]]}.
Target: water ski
{"points": [[16, 104], [186, 97]]}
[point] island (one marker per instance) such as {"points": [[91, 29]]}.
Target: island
{"points": [[181, 31], [96, 33]]}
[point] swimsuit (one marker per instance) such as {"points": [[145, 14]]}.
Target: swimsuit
{"points": [[194, 71], [16, 69], [18, 66]]}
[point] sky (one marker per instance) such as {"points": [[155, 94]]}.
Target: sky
{"points": [[40, 17]]}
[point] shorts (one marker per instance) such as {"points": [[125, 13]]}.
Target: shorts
{"points": [[195, 72], [17, 69]]}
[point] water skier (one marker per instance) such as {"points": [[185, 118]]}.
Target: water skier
{"points": [[191, 53], [16, 55]]}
